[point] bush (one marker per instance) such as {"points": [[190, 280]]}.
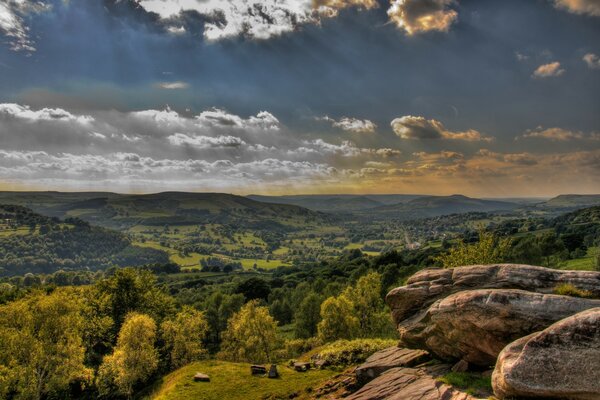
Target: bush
{"points": [[296, 347], [566, 289], [346, 352]]}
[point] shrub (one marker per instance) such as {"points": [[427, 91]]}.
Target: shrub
{"points": [[567, 289], [346, 352]]}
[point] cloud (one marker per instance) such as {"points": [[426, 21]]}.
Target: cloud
{"points": [[264, 120], [548, 70], [353, 125], [419, 16], [45, 114], [12, 24], [411, 127], [558, 134], [173, 85], [592, 60], [588, 7], [204, 142]]}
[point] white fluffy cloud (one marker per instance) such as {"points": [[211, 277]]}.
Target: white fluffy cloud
{"points": [[353, 125], [213, 149], [12, 25], [411, 127], [589, 7], [172, 85], [548, 70], [592, 60], [419, 16], [45, 114]]}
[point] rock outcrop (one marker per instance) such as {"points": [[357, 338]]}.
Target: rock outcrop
{"points": [[427, 286], [389, 358], [560, 362], [475, 325], [410, 384]]}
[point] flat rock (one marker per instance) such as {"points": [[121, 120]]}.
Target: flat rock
{"points": [[391, 357], [429, 285], [475, 325], [200, 377], [410, 384], [562, 361]]}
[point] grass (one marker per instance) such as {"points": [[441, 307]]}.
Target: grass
{"points": [[472, 383], [347, 352], [232, 381], [586, 263], [566, 289]]}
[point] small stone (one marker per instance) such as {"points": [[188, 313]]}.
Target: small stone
{"points": [[321, 363], [200, 377], [258, 369], [301, 366], [461, 366], [273, 372]]}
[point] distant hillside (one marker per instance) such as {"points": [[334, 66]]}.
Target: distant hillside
{"points": [[30, 242], [572, 201], [431, 206], [121, 211], [337, 202]]}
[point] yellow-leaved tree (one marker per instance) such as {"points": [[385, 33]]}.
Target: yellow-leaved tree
{"points": [[183, 335], [41, 346], [337, 319], [488, 250], [134, 358], [251, 335]]}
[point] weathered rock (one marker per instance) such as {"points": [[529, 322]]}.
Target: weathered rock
{"points": [[427, 286], [410, 384], [391, 357], [258, 369], [200, 377], [301, 366], [320, 363], [562, 361], [273, 373], [475, 325], [461, 366]]}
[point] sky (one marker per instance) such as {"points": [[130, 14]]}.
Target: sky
{"points": [[483, 98]]}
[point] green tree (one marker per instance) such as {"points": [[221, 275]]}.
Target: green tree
{"points": [[488, 250], [134, 290], [308, 316], [134, 359], [368, 306], [337, 319], [183, 337], [41, 346], [251, 335]]}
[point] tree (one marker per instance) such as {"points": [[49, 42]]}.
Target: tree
{"points": [[488, 250], [219, 307], [254, 288], [134, 359], [41, 349], [337, 319], [183, 337], [251, 335], [308, 316], [368, 306], [134, 290]]}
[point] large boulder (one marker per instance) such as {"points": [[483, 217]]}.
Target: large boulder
{"points": [[560, 362], [427, 286], [389, 358], [410, 384], [475, 325]]}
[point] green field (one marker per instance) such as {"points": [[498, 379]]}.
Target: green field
{"points": [[232, 381], [587, 263]]}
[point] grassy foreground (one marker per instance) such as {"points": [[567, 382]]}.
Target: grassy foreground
{"points": [[233, 381]]}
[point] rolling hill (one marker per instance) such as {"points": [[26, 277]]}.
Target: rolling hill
{"points": [[431, 206], [337, 203], [122, 211], [571, 201]]}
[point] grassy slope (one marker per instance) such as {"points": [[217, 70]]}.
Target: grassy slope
{"points": [[232, 381]]}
